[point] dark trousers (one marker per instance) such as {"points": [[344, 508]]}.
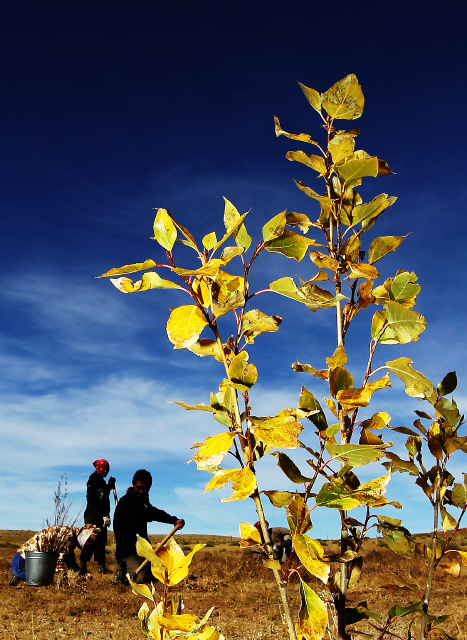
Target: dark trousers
{"points": [[131, 563], [98, 548]]}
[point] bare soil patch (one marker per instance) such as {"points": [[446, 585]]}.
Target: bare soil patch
{"points": [[222, 575]]}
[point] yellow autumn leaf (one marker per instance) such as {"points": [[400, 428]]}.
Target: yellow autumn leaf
{"points": [[129, 268], [149, 280], [141, 589], [209, 240], [311, 553], [344, 100], [313, 615], [338, 358], [164, 229], [213, 451], [184, 622], [210, 269], [249, 535], [281, 431], [323, 261], [243, 483], [184, 326], [174, 560], [360, 270], [206, 347]]}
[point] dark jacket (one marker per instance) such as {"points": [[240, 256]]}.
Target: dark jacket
{"points": [[131, 517], [98, 503]]}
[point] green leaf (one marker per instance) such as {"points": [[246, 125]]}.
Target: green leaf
{"points": [[243, 376], [356, 455], [312, 96], [401, 289], [290, 469], [129, 268], [397, 538], [416, 385], [255, 322], [403, 325], [307, 402], [449, 411], [355, 168], [371, 210], [344, 100], [339, 495], [335, 496], [184, 326], [447, 384], [313, 297], [398, 612], [231, 217], [459, 496], [289, 244], [383, 245], [313, 161], [339, 379], [164, 229], [279, 499], [275, 227]]}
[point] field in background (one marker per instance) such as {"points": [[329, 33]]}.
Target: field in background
{"points": [[222, 575]]}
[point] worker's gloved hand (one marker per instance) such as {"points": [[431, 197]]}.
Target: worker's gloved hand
{"points": [[181, 523], [106, 521], [111, 483]]}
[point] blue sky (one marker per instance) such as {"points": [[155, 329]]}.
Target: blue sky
{"points": [[109, 109]]}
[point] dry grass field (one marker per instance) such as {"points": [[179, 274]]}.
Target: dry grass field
{"points": [[224, 576]]}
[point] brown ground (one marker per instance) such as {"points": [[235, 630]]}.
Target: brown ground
{"points": [[222, 575]]}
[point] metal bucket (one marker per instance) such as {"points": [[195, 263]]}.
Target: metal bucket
{"points": [[40, 567]]}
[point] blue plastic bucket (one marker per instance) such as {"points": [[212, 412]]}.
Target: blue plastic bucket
{"points": [[40, 567]]}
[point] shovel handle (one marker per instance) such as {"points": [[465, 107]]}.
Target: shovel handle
{"points": [[161, 544], [115, 496]]}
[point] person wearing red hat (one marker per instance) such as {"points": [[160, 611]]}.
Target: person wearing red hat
{"points": [[97, 513]]}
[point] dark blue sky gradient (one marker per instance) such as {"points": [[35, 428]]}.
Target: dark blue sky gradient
{"points": [[111, 108]]}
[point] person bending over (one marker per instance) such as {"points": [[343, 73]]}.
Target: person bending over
{"points": [[61, 539], [281, 541], [131, 518], [97, 513]]}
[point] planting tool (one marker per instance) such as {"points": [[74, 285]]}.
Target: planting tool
{"points": [[161, 544], [115, 496]]}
